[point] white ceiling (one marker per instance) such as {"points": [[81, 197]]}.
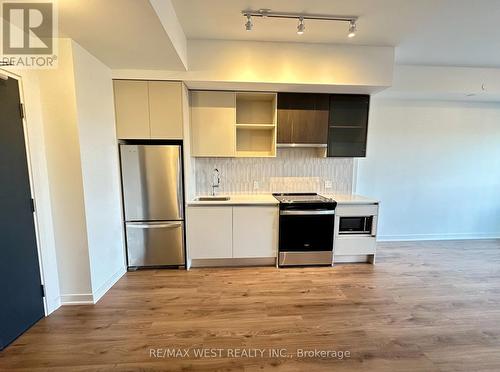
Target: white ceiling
{"points": [[127, 34], [121, 33], [433, 32]]}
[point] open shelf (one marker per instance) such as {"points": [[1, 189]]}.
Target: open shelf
{"points": [[256, 143], [254, 154], [256, 108], [255, 124]]}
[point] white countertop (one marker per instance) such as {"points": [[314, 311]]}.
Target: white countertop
{"points": [[351, 199], [268, 199], [240, 199]]}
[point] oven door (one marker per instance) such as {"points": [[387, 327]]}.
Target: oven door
{"points": [[306, 231]]}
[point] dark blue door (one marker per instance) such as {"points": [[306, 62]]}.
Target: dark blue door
{"points": [[21, 303]]}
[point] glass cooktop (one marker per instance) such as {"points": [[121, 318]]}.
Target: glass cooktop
{"points": [[301, 198]]}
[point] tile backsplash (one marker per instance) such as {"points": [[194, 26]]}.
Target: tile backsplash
{"points": [[293, 170]]}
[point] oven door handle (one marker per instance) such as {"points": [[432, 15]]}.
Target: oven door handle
{"points": [[307, 212]]}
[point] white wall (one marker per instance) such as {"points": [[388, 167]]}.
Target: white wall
{"points": [[445, 83], [99, 160], [71, 130], [273, 66], [62, 150], [435, 166], [290, 63]]}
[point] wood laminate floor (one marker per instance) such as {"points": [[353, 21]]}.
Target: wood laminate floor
{"points": [[427, 306]]}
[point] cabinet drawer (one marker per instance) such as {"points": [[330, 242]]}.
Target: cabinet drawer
{"points": [[354, 246]]}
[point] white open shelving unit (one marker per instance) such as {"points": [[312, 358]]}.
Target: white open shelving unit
{"points": [[256, 124]]}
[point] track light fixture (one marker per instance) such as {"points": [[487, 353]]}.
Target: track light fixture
{"points": [[301, 27], [249, 24], [352, 29], [266, 13]]}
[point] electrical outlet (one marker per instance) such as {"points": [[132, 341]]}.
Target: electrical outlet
{"points": [[255, 185], [328, 184]]}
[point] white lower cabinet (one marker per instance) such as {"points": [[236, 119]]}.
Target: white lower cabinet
{"points": [[352, 247], [210, 232], [355, 245], [232, 232], [255, 232]]}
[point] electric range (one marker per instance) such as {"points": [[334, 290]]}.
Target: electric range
{"points": [[306, 225]]}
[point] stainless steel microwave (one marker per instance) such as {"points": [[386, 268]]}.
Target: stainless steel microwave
{"points": [[356, 225]]}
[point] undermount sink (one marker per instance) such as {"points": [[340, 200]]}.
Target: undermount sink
{"points": [[212, 198]]}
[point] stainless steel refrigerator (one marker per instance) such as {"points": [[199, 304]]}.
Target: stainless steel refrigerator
{"points": [[153, 203]]}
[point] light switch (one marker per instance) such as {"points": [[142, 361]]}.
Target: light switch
{"points": [[328, 184], [255, 185]]}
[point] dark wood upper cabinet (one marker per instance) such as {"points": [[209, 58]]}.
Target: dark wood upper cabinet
{"points": [[348, 125], [339, 120], [303, 118]]}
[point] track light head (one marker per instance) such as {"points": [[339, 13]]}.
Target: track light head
{"points": [[249, 24], [301, 27], [352, 29]]}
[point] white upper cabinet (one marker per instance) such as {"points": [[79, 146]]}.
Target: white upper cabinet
{"points": [[213, 117], [132, 109], [255, 231], [233, 124], [148, 109], [165, 109]]}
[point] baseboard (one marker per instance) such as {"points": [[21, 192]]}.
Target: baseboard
{"points": [[92, 298], [234, 262], [101, 291], [456, 236], [360, 258], [53, 304], [77, 299]]}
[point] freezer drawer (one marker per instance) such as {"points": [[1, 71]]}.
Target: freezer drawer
{"points": [[155, 243], [152, 182]]}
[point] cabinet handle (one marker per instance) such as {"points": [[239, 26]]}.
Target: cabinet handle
{"points": [[306, 212], [169, 225]]}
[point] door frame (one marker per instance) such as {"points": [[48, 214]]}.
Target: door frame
{"points": [[11, 75]]}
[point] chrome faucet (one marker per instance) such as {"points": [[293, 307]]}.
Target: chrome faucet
{"points": [[215, 180]]}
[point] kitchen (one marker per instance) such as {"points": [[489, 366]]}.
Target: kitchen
{"points": [[193, 181], [235, 228]]}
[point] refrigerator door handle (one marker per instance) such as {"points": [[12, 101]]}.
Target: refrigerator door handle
{"points": [[162, 225]]}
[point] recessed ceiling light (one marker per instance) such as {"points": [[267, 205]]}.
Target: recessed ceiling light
{"points": [[249, 24], [352, 29], [301, 27]]}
